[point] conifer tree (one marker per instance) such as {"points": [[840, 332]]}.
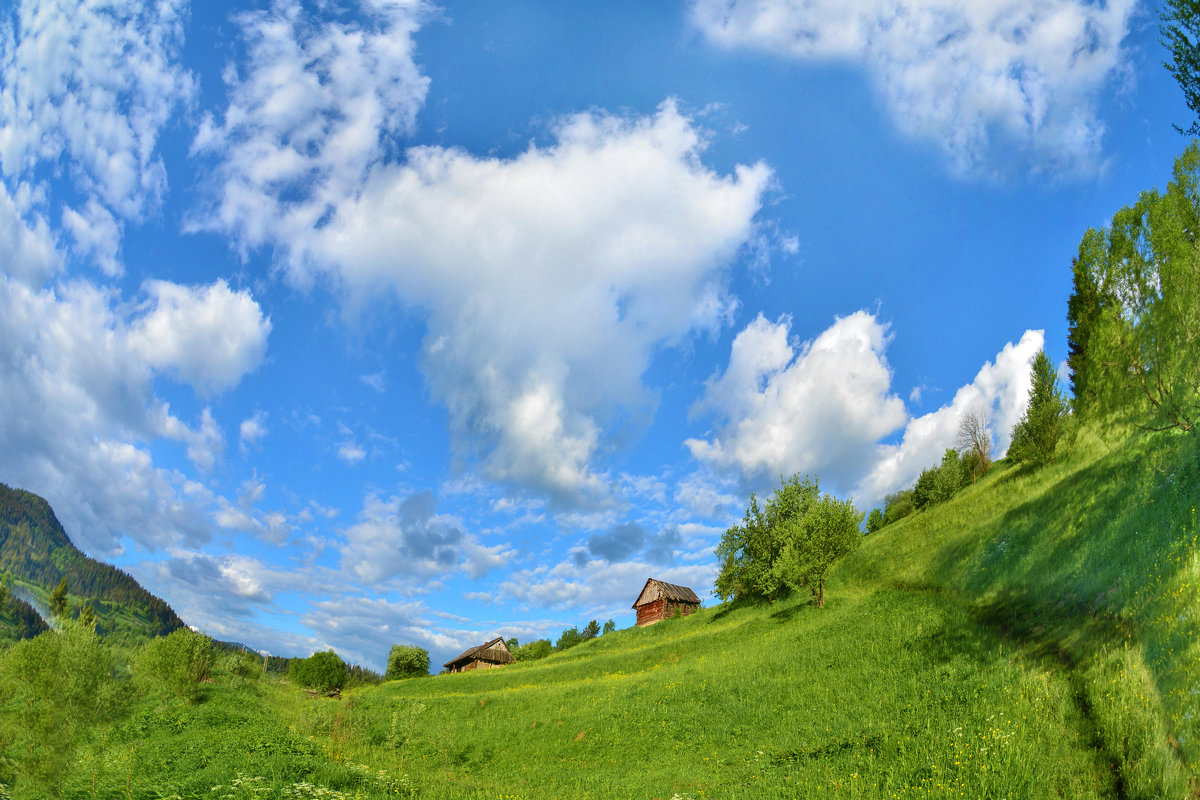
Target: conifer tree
{"points": [[58, 598], [1035, 437]]}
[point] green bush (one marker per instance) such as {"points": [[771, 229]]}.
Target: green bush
{"points": [[323, 671], [407, 661], [532, 651], [176, 664], [53, 689]]}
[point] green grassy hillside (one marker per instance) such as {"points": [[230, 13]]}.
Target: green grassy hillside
{"points": [[1034, 637]]}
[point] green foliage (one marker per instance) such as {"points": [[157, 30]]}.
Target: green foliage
{"points": [[875, 520], [747, 553], [407, 661], [569, 638], [322, 671], [938, 484], [897, 506], [790, 542], [609, 627], [53, 689], [975, 443], [1135, 307], [1179, 26], [532, 651], [813, 541], [1035, 437], [58, 598], [591, 630], [176, 664]]}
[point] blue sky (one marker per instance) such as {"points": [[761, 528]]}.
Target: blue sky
{"points": [[342, 324]]}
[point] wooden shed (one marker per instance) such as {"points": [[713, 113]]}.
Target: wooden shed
{"points": [[485, 656], [661, 600]]}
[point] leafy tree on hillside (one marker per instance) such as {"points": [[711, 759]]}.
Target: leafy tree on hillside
{"points": [[747, 552], [54, 687], [569, 638], [591, 630], [897, 506], [58, 599], [975, 442], [1137, 307], [815, 541], [407, 661], [609, 627], [322, 671], [534, 650], [1180, 28], [176, 664], [1035, 437], [874, 520], [789, 542]]}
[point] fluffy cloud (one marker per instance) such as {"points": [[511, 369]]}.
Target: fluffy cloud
{"points": [[210, 336], [1027, 72], [252, 431], [616, 233], [1000, 390], [311, 111], [27, 249], [78, 409], [818, 407], [823, 407], [88, 86], [407, 538]]}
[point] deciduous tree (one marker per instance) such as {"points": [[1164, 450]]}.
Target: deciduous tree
{"points": [[975, 439], [408, 661]]}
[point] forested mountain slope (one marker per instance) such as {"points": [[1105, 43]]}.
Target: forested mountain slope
{"points": [[36, 554]]}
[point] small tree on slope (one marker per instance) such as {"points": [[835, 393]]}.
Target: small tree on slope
{"points": [[1036, 436]]}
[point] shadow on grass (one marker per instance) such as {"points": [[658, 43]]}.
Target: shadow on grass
{"points": [[736, 605]]}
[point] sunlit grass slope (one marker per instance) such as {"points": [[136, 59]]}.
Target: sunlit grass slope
{"points": [[1035, 637]]}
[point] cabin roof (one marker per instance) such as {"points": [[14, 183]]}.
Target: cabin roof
{"points": [[655, 589], [504, 657]]}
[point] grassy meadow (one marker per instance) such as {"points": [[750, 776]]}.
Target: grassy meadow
{"points": [[1034, 637]]}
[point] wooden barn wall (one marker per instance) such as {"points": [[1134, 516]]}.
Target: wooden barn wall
{"points": [[662, 609]]}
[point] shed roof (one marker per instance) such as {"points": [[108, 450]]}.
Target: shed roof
{"points": [[502, 654], [655, 589]]}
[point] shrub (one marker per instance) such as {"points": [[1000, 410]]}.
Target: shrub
{"points": [[176, 664], [55, 687], [322, 671], [407, 661], [532, 651]]}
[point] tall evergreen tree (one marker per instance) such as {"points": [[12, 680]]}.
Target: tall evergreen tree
{"points": [[1035, 437], [58, 599]]}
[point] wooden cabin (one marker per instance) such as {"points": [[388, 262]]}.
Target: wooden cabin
{"points": [[485, 656], [660, 600]]}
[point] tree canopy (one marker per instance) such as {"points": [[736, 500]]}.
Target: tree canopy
{"points": [[1134, 312], [407, 661], [789, 541]]}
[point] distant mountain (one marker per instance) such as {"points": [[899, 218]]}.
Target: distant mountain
{"points": [[35, 554]]}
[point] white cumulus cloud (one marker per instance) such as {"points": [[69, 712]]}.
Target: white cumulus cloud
{"points": [[1000, 390], [548, 279], [210, 336], [963, 75], [817, 407], [88, 87]]}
